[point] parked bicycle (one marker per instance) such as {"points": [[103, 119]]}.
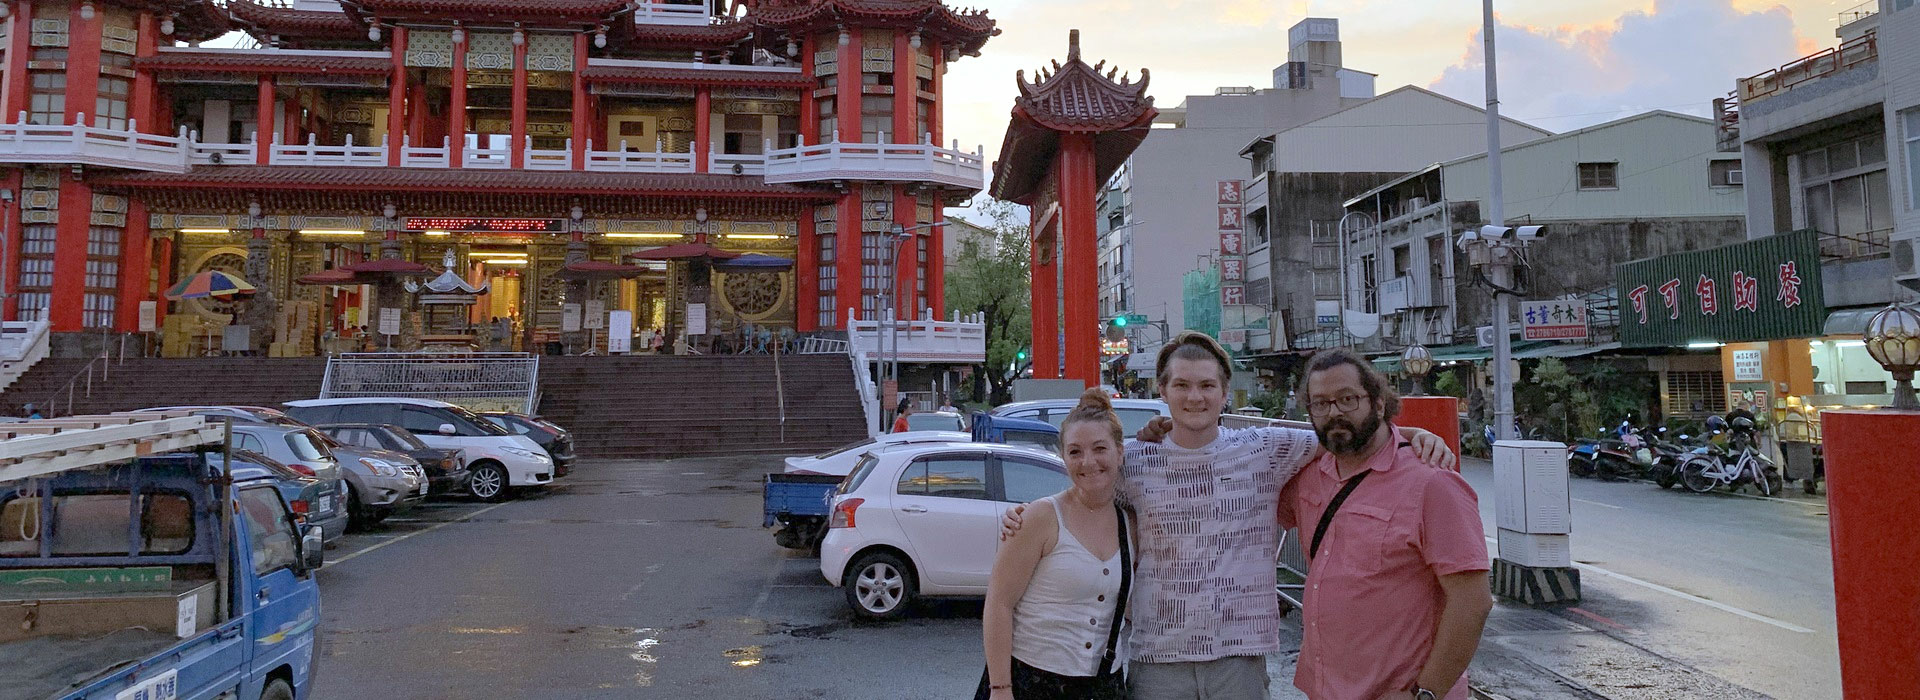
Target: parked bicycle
{"points": [[1734, 467]]}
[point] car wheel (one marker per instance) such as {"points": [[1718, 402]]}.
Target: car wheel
{"points": [[879, 586], [489, 482], [277, 689], [356, 514]]}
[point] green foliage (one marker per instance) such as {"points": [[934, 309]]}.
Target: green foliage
{"points": [[994, 280], [1558, 400], [1448, 383]]}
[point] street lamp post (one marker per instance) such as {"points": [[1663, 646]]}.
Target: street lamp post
{"points": [[889, 336], [1417, 361], [1893, 339]]}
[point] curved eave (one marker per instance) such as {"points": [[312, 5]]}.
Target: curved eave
{"points": [[1029, 148], [200, 20], [627, 34], [262, 61], [536, 13], [968, 32], [297, 25], [695, 77]]}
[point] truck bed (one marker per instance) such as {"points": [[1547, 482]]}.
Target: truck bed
{"points": [[796, 494], [48, 667]]}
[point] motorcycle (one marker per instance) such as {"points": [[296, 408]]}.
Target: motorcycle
{"points": [[1581, 457], [1624, 456], [1667, 460]]}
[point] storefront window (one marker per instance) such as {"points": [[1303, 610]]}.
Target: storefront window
{"points": [[1843, 368]]}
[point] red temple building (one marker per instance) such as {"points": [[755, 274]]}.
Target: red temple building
{"points": [[513, 134]]}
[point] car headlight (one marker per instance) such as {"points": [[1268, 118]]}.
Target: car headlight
{"points": [[525, 453], [380, 467]]}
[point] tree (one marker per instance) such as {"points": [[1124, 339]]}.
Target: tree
{"points": [[993, 279]]}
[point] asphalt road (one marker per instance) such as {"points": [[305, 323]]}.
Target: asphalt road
{"points": [[646, 579], [1741, 588]]}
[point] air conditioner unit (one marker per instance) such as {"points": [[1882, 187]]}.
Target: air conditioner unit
{"points": [[1485, 336], [1736, 177]]}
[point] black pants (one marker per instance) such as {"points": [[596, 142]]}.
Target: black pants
{"points": [[1030, 683]]}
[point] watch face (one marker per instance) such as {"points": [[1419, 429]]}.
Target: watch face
{"points": [[1423, 694]]}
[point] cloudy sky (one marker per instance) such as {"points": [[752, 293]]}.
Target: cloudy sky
{"points": [[1564, 64]]}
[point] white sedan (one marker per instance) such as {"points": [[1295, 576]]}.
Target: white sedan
{"points": [[924, 521], [841, 460]]}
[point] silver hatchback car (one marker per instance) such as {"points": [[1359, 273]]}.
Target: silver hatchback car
{"points": [[297, 447]]}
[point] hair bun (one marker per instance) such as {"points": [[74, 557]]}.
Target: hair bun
{"points": [[1094, 400]]}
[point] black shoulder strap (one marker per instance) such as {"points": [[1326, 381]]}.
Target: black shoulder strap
{"points": [[1326, 516], [1120, 601]]}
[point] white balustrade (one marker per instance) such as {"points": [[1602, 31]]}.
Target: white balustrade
{"points": [[21, 142], [537, 159], [962, 340], [747, 163], [646, 12], [481, 158], [625, 161], [312, 153], [412, 156], [219, 153], [899, 162]]}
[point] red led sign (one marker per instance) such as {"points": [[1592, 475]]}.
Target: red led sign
{"points": [[484, 224]]}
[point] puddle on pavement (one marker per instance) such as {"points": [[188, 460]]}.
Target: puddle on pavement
{"points": [[643, 655], [743, 657]]}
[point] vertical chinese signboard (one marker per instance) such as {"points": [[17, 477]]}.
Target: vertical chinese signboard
{"points": [[1763, 289], [1233, 261]]}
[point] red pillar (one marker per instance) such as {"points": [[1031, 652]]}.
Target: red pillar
{"points": [[1439, 415], [397, 96], [905, 65], [263, 120], [939, 54], [70, 255], [518, 140], [846, 258], [1873, 500], [13, 86], [416, 115], [809, 106], [83, 70], [1079, 258], [702, 129], [136, 265], [457, 106], [1045, 306], [141, 105], [906, 255], [806, 276], [10, 273], [846, 107], [582, 103], [163, 267]]}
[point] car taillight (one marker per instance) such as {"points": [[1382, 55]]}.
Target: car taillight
{"points": [[843, 512], [299, 506], [303, 469]]}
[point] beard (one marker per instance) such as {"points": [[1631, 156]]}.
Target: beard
{"points": [[1355, 438]]}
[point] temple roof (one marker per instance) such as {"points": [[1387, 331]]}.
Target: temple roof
{"points": [[1073, 98], [970, 29], [719, 35], [536, 12], [299, 27], [263, 62], [659, 75], [198, 20]]}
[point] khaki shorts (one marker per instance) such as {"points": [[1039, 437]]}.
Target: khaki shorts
{"points": [[1230, 678]]}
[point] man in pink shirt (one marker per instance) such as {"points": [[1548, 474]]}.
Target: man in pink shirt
{"points": [[1396, 591]]}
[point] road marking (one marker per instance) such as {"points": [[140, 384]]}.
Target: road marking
{"points": [[766, 589], [403, 538], [1683, 595], [1596, 617], [1602, 505]]}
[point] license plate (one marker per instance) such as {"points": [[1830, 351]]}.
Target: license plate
{"points": [[424, 483], [165, 686], [326, 504]]}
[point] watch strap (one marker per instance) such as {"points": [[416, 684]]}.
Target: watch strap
{"points": [[1420, 693]]}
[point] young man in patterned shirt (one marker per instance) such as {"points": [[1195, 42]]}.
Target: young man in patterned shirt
{"points": [[1204, 613]]}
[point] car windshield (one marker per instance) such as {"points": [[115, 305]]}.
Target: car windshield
{"points": [[279, 470], [843, 449], [483, 425], [308, 444], [1049, 441], [407, 441], [933, 421], [1133, 419]]}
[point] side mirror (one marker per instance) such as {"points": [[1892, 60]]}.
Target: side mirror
{"points": [[313, 548], [447, 429]]}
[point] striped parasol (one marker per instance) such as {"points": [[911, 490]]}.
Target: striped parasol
{"points": [[208, 284]]}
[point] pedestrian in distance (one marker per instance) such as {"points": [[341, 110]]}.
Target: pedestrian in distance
{"points": [[1074, 564], [900, 416], [31, 412], [1396, 591], [1205, 614]]}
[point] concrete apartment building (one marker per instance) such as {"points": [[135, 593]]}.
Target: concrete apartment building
{"points": [[1303, 176], [1158, 210]]}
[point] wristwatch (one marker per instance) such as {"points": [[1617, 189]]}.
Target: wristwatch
{"points": [[1420, 693]]}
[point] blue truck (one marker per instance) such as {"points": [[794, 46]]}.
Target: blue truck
{"points": [[154, 578], [798, 503]]}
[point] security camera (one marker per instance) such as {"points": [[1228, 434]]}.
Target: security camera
{"points": [[1496, 233], [1467, 238], [1529, 233]]}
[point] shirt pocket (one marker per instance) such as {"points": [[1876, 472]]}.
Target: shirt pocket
{"points": [[1364, 535]]}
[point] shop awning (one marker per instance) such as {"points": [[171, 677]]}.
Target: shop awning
{"points": [[1563, 350]]}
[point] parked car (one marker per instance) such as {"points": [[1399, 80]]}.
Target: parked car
{"points": [[1017, 431], [246, 414], [841, 460], [936, 420], [299, 448], [1133, 413], [554, 439], [446, 472], [379, 482], [925, 521], [314, 502], [498, 460]]}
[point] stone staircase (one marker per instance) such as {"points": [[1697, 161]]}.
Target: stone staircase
{"points": [[648, 406]]}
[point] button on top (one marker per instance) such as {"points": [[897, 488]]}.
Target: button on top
{"points": [[1089, 645], [1102, 597], [1093, 621], [1104, 572]]}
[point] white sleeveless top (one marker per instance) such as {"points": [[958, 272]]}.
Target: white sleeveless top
{"points": [[1060, 624]]}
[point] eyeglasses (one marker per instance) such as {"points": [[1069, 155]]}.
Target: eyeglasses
{"points": [[1346, 404]]}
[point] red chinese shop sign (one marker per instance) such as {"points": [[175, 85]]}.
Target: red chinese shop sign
{"points": [[1763, 289], [1232, 226]]}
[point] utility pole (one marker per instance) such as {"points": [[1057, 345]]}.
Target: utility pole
{"points": [[1500, 268]]}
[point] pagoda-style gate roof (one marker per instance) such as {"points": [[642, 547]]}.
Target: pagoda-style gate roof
{"points": [[1074, 98], [301, 28], [964, 30]]}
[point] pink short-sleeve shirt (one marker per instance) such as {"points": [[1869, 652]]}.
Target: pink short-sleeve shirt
{"points": [[1373, 593]]}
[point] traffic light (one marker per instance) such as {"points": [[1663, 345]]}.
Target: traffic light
{"points": [[1021, 356], [1120, 321]]}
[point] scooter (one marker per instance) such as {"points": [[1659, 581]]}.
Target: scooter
{"points": [[1624, 456], [1581, 457], [1668, 456]]}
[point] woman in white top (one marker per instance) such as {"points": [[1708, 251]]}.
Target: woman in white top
{"points": [[1056, 602]]}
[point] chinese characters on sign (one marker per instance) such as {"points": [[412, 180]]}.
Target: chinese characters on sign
{"points": [[1772, 288], [1233, 266], [1747, 366], [1559, 319]]}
